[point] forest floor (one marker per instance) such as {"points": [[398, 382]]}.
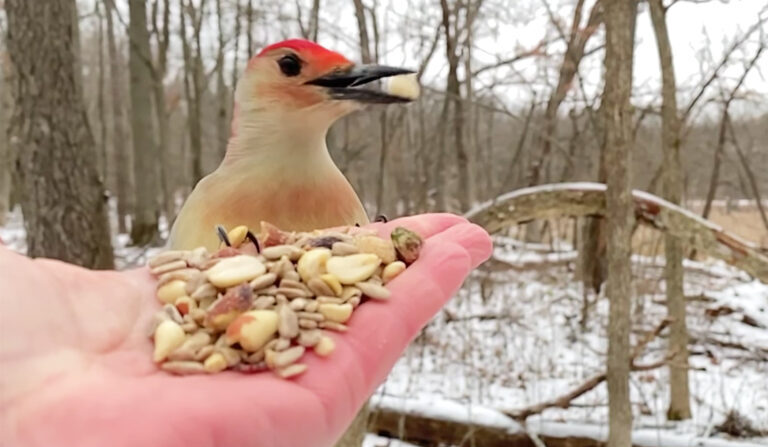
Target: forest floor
{"points": [[513, 337]]}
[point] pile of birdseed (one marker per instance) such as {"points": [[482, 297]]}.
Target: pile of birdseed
{"points": [[259, 303]]}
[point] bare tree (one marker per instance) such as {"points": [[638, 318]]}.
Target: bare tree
{"points": [[249, 27], [62, 197], [750, 174], [159, 67], [121, 151], [222, 94], [679, 402], [620, 17], [145, 166], [453, 27], [193, 83], [310, 30], [576, 41], [235, 53], [6, 161], [727, 100], [100, 101]]}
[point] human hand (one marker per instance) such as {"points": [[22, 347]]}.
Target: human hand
{"points": [[76, 369]]}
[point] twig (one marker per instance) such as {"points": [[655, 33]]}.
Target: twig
{"points": [[564, 401]]}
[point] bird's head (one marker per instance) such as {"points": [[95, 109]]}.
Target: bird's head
{"points": [[298, 78]]}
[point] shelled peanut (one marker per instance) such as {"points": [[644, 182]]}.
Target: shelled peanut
{"points": [[259, 303]]}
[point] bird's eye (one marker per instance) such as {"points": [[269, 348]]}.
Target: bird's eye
{"points": [[290, 65]]}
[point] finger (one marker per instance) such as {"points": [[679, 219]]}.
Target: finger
{"points": [[380, 331], [425, 225]]}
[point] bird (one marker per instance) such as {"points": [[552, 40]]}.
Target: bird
{"points": [[277, 167]]}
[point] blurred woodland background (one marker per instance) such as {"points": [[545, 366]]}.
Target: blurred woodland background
{"points": [[514, 95]]}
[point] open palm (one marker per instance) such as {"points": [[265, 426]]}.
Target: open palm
{"points": [[75, 367]]}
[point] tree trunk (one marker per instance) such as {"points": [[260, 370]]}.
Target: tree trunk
{"points": [[453, 100], [167, 168], [235, 55], [145, 166], [314, 21], [120, 150], [249, 13], [63, 200], [714, 178], [619, 23], [193, 74], [6, 158], [100, 107], [679, 395], [362, 31], [222, 96]]}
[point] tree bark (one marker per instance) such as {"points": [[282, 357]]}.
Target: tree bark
{"points": [[120, 150], [63, 199], [362, 31], [249, 22], [619, 24], [167, 177], [235, 55], [100, 107], [222, 96], [145, 166], [193, 74], [453, 102], [314, 21], [714, 178], [6, 160], [679, 394]]}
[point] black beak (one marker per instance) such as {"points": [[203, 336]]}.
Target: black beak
{"points": [[340, 84]]}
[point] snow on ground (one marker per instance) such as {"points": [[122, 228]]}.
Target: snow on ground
{"points": [[510, 340], [13, 236], [514, 338]]}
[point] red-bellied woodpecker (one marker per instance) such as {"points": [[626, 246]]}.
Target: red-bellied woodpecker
{"points": [[277, 167]]}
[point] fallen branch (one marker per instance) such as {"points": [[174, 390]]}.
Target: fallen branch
{"points": [[564, 401], [588, 199]]}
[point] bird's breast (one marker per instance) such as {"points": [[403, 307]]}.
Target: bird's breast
{"points": [[291, 204]]}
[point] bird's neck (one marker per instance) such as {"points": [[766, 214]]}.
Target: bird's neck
{"points": [[279, 144]]}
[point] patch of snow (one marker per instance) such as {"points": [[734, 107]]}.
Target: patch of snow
{"points": [[372, 440]]}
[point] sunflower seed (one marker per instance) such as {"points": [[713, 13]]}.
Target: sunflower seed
{"points": [[289, 322], [374, 291], [319, 287], [183, 367], [307, 324], [332, 325], [291, 371], [311, 316], [166, 257], [276, 252], [329, 300], [309, 338], [344, 249], [298, 304], [169, 267], [204, 291], [290, 292], [263, 281], [263, 302], [287, 357]]}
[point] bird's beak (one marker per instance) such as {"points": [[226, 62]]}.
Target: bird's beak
{"points": [[342, 85]]}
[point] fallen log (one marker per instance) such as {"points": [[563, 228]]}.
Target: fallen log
{"points": [[433, 432], [588, 199]]}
